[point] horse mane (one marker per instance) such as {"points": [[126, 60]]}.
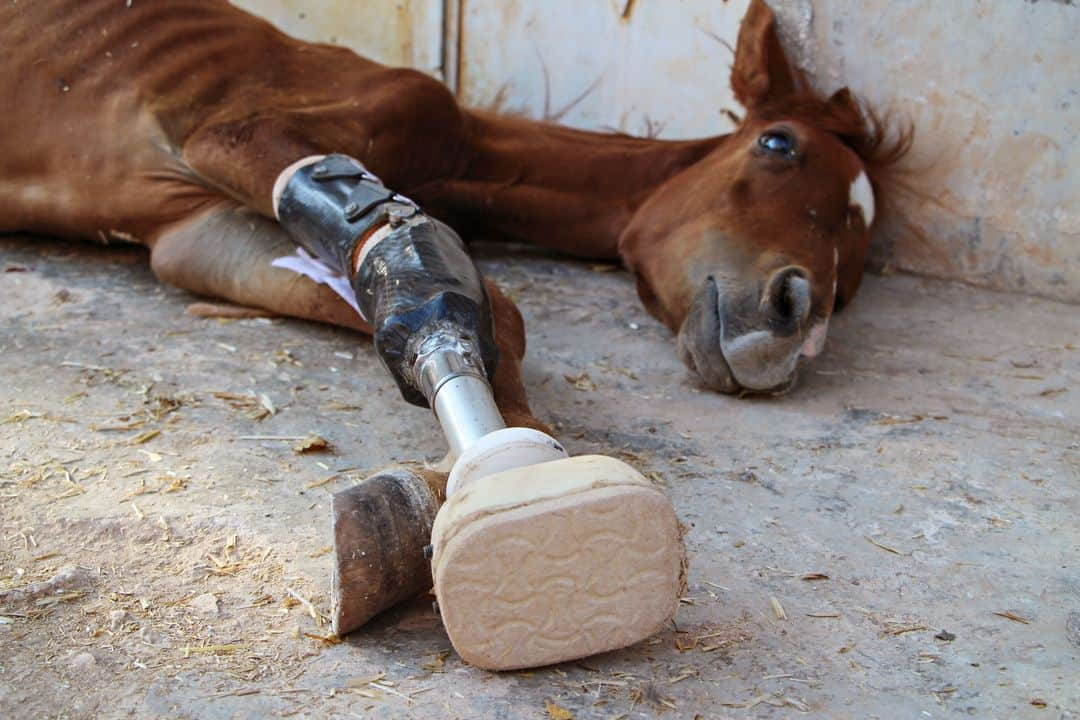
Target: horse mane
{"points": [[878, 140]]}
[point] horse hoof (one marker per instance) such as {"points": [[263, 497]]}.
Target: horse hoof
{"points": [[381, 529], [556, 561]]}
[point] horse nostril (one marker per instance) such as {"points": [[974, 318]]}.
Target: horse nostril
{"points": [[788, 295]]}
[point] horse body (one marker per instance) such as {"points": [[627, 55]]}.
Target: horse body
{"points": [[168, 123], [122, 114]]}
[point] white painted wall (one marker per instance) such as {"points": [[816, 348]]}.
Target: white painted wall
{"points": [[993, 88], [394, 32], [991, 194], [641, 67]]}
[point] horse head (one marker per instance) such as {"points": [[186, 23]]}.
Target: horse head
{"points": [[746, 253]]}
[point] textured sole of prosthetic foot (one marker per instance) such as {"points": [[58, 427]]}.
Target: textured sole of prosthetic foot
{"points": [[554, 562]]}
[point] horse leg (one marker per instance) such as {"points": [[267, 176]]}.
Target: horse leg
{"points": [[226, 253], [381, 526], [591, 527]]}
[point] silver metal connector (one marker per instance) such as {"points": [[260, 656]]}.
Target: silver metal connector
{"points": [[465, 408], [449, 372]]}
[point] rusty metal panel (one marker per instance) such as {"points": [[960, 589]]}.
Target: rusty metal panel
{"points": [[394, 32], [643, 67]]}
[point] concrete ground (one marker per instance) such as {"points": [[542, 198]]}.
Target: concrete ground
{"points": [[897, 538]]}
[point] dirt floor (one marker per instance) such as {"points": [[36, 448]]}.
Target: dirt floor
{"points": [[898, 538]]}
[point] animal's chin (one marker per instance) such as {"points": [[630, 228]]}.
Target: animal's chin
{"points": [[700, 349], [699, 345], [709, 365], [707, 361]]}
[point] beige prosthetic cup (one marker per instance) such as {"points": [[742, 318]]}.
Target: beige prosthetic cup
{"points": [[556, 561]]}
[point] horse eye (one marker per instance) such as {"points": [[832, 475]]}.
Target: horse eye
{"points": [[778, 142]]}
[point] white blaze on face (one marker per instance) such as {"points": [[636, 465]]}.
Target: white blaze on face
{"points": [[815, 339], [835, 270], [861, 195]]}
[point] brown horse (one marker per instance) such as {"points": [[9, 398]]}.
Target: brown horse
{"points": [[167, 124]]}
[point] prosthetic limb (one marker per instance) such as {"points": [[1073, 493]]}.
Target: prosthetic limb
{"points": [[536, 557]]}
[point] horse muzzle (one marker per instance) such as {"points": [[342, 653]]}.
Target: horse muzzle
{"points": [[739, 342]]}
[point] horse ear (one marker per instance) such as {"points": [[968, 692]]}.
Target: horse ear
{"points": [[761, 71], [843, 99]]}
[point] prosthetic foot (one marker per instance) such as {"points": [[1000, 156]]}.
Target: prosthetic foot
{"points": [[536, 557], [556, 561]]}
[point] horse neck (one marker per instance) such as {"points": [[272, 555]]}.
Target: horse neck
{"points": [[570, 190]]}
